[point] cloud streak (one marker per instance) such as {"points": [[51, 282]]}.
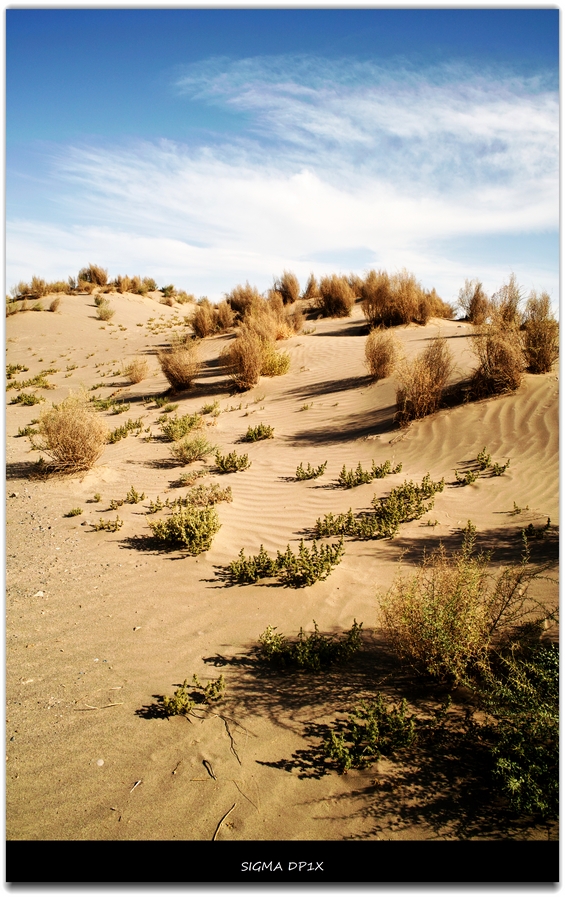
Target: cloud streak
{"points": [[332, 157]]}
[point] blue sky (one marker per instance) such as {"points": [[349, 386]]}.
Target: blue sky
{"points": [[211, 147]]}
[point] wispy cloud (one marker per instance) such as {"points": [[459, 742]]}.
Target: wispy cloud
{"points": [[337, 157]]}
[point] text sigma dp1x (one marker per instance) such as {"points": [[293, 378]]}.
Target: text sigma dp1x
{"points": [[290, 866]]}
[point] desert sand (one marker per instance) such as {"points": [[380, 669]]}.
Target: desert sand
{"points": [[99, 625]]}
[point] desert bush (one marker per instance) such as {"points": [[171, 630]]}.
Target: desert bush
{"points": [[180, 365], [288, 287], [192, 528], [55, 304], [438, 307], [105, 312], [422, 383], [336, 298], [149, 284], [408, 299], [355, 282], [381, 354], [184, 700], [351, 478], [376, 299], [540, 334], [137, 370], [188, 450], [204, 321], [109, 524], [231, 462], [176, 428], [203, 495], [373, 730], [296, 319], [501, 362], [14, 369], [93, 275], [312, 651], [266, 320], [182, 297], [243, 359], [75, 511], [309, 565], [122, 431], [259, 432], [444, 620], [473, 301], [505, 304], [312, 289], [274, 362], [73, 434], [122, 284], [27, 399], [225, 316], [308, 473], [168, 291], [242, 297]]}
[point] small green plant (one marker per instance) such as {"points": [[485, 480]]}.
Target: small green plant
{"points": [[14, 368], [306, 406], [260, 432], [312, 651], [185, 699], [191, 528], [122, 431], [176, 428], [518, 509], [466, 477], [27, 399], [375, 729], [482, 466], [190, 449], [231, 462], [109, 524], [298, 570], [97, 498], [532, 532], [204, 495], [211, 409], [156, 505], [115, 504], [308, 473], [28, 431], [352, 478], [498, 469], [484, 459], [76, 511], [134, 496], [190, 478]]}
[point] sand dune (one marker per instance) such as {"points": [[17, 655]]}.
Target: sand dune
{"points": [[99, 624]]}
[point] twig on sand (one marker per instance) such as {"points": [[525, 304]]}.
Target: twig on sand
{"points": [[87, 707], [245, 795], [222, 820]]}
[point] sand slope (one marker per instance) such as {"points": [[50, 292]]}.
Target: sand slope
{"points": [[99, 624]]}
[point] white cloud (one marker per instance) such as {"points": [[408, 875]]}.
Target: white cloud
{"points": [[338, 157]]}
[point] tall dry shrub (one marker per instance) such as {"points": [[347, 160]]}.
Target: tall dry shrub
{"points": [[312, 289], [473, 301], [540, 334], [501, 362], [407, 299], [226, 316], [180, 364], [122, 283], [242, 297], [243, 359], [137, 370], [336, 297], [288, 287], [376, 299], [381, 354], [422, 382], [204, 320], [73, 434], [93, 275], [355, 282], [438, 307], [505, 304]]}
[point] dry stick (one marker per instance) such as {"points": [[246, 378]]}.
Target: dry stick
{"points": [[245, 795], [87, 708], [222, 820]]}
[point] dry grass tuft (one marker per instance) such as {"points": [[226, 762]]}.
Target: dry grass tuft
{"points": [[243, 359], [474, 302], [105, 311], [274, 362], [505, 304], [381, 354], [243, 297], [55, 304], [180, 364], [540, 334], [312, 289], [73, 434], [93, 275], [501, 362], [336, 297], [423, 382], [137, 370]]}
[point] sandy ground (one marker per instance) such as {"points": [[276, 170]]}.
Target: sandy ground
{"points": [[100, 624]]}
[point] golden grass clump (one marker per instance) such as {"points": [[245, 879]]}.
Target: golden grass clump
{"points": [[180, 364], [55, 304], [242, 297], [376, 299], [501, 362], [275, 362], [399, 299], [505, 304], [540, 334], [474, 302], [423, 381], [105, 311], [204, 320], [381, 354], [243, 359], [225, 316], [288, 287], [312, 289], [137, 370], [336, 297], [73, 434]]}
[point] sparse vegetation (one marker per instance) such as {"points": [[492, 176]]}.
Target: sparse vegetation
{"points": [[295, 570], [192, 528], [189, 449], [260, 432], [27, 399], [351, 478], [180, 365], [122, 431], [243, 359], [137, 370], [373, 730], [231, 462], [336, 298], [75, 511], [314, 651], [540, 334], [106, 312], [185, 699], [501, 361], [308, 473], [176, 428], [109, 524], [381, 354], [474, 302], [422, 383]]}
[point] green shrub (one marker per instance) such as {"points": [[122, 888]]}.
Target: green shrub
{"points": [[76, 511], [274, 362], [296, 570], [27, 399], [314, 651], [258, 433], [231, 462], [109, 524], [14, 368], [184, 699], [203, 495], [122, 431], [350, 478], [483, 466], [191, 528], [189, 449], [375, 729], [176, 428], [308, 473]]}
